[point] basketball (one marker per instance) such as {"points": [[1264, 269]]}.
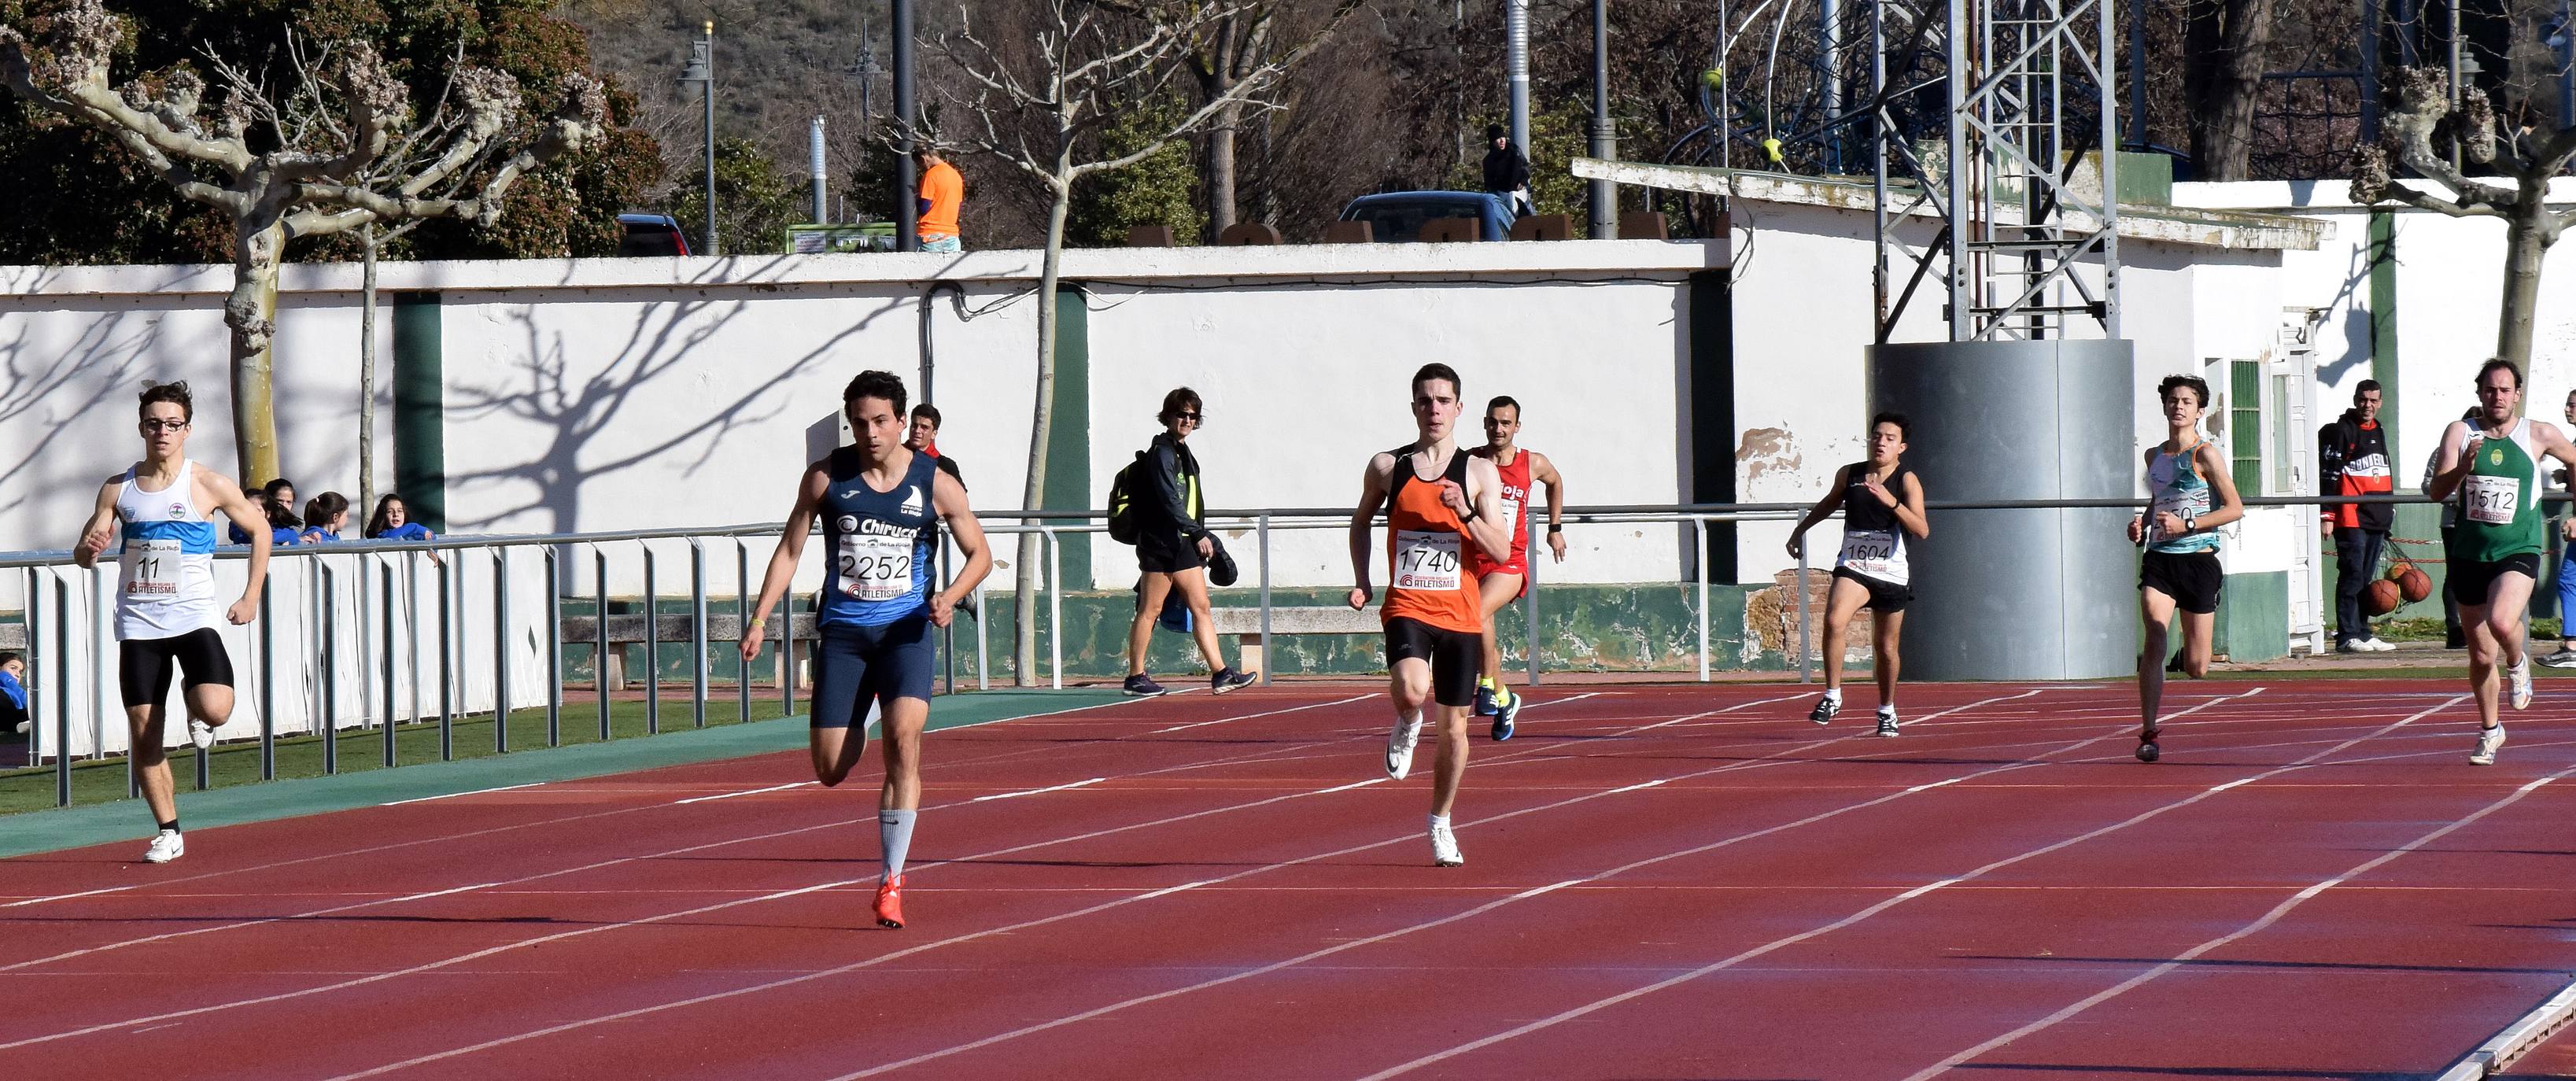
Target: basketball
{"points": [[2414, 585], [2381, 598], [2397, 569]]}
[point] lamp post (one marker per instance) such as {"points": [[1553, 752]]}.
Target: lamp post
{"points": [[702, 69], [907, 213]]}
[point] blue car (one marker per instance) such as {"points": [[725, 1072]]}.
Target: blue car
{"points": [[1397, 216], [651, 234]]}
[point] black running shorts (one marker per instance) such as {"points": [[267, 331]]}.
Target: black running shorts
{"points": [[1883, 596], [1455, 656], [2190, 578], [2472, 582], [143, 665]]}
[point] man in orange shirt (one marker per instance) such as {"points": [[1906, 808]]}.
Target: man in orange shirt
{"points": [[942, 191], [1439, 500]]}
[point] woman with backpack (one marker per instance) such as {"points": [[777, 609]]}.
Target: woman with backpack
{"points": [[1173, 545]]}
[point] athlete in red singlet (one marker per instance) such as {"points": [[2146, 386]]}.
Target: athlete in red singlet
{"points": [[1440, 504], [1501, 582]]}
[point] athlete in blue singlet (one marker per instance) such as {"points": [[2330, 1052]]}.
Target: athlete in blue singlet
{"points": [[166, 609], [2193, 496], [879, 503]]}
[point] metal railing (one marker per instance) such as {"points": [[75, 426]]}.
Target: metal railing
{"points": [[381, 582]]}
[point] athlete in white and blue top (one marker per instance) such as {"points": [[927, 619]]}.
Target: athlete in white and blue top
{"points": [[879, 503], [2191, 496], [166, 604]]}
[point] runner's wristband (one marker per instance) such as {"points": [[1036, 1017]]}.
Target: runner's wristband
{"points": [[1552, 527]]}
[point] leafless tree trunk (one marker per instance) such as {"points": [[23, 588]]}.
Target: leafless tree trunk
{"points": [[2223, 71], [342, 149], [2420, 132]]}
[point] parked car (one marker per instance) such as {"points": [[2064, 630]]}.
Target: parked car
{"points": [[652, 234], [1397, 216]]}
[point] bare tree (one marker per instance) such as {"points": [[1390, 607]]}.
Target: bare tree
{"points": [[341, 149], [2421, 131], [2228, 43], [1035, 105]]}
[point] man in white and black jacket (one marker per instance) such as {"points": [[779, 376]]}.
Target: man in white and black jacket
{"points": [[2352, 454]]}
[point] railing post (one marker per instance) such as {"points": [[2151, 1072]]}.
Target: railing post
{"points": [[1055, 611], [599, 649], [34, 617], [697, 633], [983, 659], [386, 576], [63, 694], [652, 648], [267, 691], [1529, 604], [501, 649], [1261, 545], [742, 626], [411, 622], [1699, 525], [554, 646], [1806, 640], [330, 625], [446, 660]]}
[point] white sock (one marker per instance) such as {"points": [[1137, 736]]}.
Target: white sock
{"points": [[1887, 709], [894, 834], [1410, 717], [1834, 696], [1439, 822]]}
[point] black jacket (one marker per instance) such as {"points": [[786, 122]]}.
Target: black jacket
{"points": [[1171, 499], [1505, 170]]}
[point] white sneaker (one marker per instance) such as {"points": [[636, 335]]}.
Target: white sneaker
{"points": [[2520, 678], [1399, 747], [166, 846], [2352, 645], [2488, 740], [2375, 645], [1444, 848], [201, 734]]}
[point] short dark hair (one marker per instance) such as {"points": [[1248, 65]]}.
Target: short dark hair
{"points": [[168, 392], [926, 411], [1501, 400], [2367, 386], [876, 384], [1904, 427], [1181, 400], [322, 508], [2199, 387], [1437, 370], [2494, 363]]}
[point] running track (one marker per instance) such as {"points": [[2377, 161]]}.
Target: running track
{"points": [[1661, 883]]}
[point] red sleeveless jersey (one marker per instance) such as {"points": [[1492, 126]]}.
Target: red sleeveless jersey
{"points": [[1429, 581], [1515, 501]]}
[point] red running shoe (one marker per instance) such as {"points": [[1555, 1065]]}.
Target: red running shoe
{"points": [[890, 903]]}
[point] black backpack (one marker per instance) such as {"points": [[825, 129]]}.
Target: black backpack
{"points": [[1123, 526]]}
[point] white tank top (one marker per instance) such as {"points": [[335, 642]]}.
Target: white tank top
{"points": [[165, 582]]}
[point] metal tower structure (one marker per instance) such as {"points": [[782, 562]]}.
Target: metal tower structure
{"points": [[2024, 194]]}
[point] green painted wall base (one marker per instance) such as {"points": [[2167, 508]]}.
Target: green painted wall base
{"points": [[2254, 616]]}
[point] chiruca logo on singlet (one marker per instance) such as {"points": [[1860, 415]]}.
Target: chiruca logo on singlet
{"points": [[877, 528], [912, 501], [849, 523]]}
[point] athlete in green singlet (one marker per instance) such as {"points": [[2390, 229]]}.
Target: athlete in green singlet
{"points": [[2493, 464]]}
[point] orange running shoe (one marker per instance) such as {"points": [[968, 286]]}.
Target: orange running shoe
{"points": [[890, 903]]}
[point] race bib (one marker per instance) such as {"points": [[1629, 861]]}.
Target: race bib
{"points": [[875, 567], [1874, 552], [1511, 510], [2493, 500], [1426, 561], [2185, 505], [151, 568]]}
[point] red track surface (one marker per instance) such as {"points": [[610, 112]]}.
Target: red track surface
{"points": [[1661, 883]]}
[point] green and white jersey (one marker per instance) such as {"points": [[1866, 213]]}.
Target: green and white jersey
{"points": [[2500, 499]]}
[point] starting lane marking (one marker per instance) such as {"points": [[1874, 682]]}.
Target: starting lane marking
{"points": [[744, 792], [166, 936], [1265, 713], [1104, 906], [1037, 791], [454, 795], [2266, 920], [1882, 906]]}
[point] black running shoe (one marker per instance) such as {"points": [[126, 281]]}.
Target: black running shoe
{"points": [[1141, 685], [1886, 723], [1229, 680], [1825, 710]]}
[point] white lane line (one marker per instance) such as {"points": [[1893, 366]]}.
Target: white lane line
{"points": [[1265, 713], [1715, 712], [454, 795], [744, 792], [1782, 943], [2267, 920], [1036, 791], [1041, 921], [167, 936]]}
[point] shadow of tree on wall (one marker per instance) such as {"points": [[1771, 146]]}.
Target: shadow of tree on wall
{"points": [[111, 356], [578, 409]]}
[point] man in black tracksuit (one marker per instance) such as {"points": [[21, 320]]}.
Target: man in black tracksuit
{"points": [[1506, 171], [2352, 454]]}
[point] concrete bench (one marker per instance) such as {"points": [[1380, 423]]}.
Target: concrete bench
{"points": [[628, 630], [1245, 625]]}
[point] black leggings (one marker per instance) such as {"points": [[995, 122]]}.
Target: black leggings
{"points": [[144, 665]]}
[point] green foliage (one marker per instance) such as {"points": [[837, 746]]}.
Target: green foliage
{"points": [[1558, 136], [1162, 189], [755, 201], [80, 199]]}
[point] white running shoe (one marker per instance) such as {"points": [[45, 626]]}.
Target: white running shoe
{"points": [[1399, 747], [2377, 646], [2520, 677], [166, 846], [2488, 740], [201, 733], [1444, 848]]}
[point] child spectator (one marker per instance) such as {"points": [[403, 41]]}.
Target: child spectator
{"points": [[325, 517]]}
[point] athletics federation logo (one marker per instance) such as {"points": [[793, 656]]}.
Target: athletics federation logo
{"points": [[912, 501], [2495, 457], [178, 511]]}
